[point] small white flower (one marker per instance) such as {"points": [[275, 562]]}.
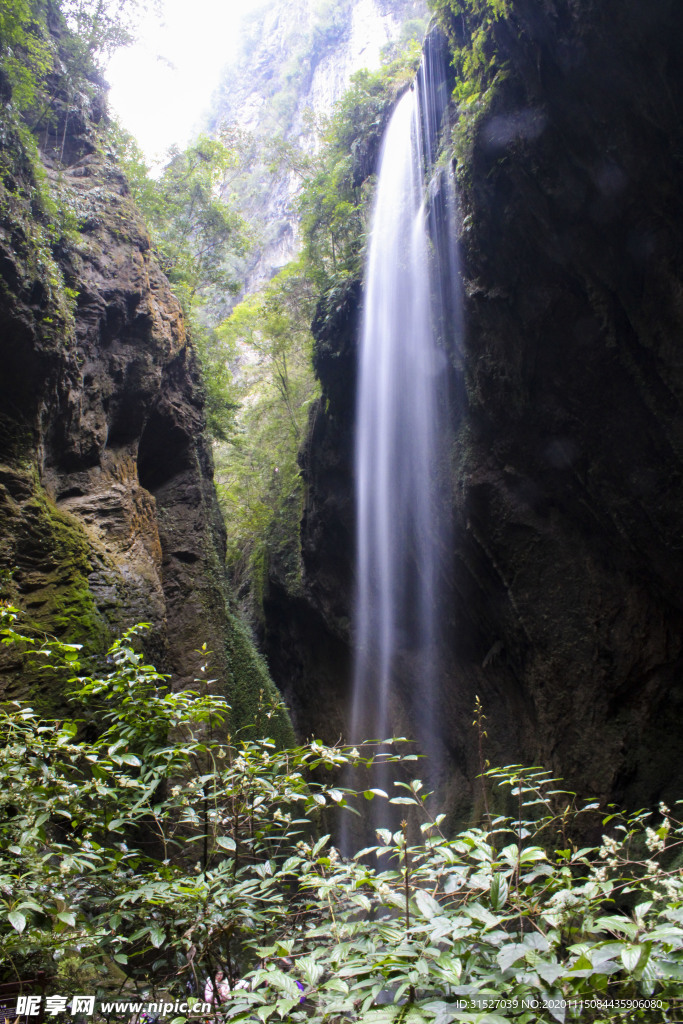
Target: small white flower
{"points": [[653, 842], [609, 846]]}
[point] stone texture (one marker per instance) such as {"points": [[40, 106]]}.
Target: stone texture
{"points": [[285, 83], [569, 476], [564, 609], [108, 514]]}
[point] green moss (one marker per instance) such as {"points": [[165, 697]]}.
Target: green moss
{"points": [[252, 692], [31, 226], [53, 561]]}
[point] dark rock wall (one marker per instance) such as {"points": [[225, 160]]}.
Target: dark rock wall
{"points": [[108, 514], [569, 472], [564, 607], [306, 635]]}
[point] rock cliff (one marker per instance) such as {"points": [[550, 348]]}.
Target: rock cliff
{"points": [[563, 600], [296, 62], [568, 488], [108, 515]]}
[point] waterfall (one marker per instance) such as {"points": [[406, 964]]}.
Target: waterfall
{"points": [[400, 430]]}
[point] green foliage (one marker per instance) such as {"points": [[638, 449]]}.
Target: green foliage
{"points": [[192, 226], [334, 205], [165, 849], [268, 339], [25, 52], [156, 846], [98, 27], [471, 28], [48, 68], [197, 236], [89, 31], [129, 157]]}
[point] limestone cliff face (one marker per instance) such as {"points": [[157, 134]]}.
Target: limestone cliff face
{"points": [[568, 489], [564, 601], [296, 63], [108, 515]]}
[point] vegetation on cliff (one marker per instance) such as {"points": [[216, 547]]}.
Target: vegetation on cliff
{"points": [[268, 337], [197, 236], [106, 498], [335, 199]]}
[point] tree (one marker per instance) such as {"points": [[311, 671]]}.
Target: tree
{"points": [[102, 26], [197, 236], [194, 228], [258, 476]]}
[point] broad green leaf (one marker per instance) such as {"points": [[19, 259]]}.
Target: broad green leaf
{"points": [[532, 854], [635, 957], [226, 843], [613, 923], [131, 759], [499, 891], [581, 964], [427, 905], [384, 1016], [283, 1006], [319, 845], [509, 955], [17, 920], [311, 971], [549, 972]]}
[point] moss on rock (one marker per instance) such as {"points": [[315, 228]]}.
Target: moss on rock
{"points": [[253, 696]]}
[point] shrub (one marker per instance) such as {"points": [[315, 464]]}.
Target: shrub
{"points": [[160, 849]]}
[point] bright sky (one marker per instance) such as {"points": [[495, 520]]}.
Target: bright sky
{"points": [[161, 86]]}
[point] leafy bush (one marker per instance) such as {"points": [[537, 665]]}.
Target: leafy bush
{"points": [[158, 849], [154, 846], [471, 28]]}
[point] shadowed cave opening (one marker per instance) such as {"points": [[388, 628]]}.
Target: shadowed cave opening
{"points": [[164, 451]]}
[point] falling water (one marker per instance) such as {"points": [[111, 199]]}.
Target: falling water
{"points": [[401, 530]]}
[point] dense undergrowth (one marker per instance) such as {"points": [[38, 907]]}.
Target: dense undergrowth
{"points": [[144, 850]]}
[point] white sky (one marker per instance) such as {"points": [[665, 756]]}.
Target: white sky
{"points": [[161, 86]]}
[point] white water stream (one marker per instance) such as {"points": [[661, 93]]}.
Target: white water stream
{"points": [[401, 410]]}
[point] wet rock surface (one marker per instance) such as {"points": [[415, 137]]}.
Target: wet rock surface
{"points": [[569, 470], [564, 602], [108, 514]]}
